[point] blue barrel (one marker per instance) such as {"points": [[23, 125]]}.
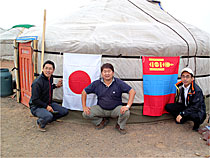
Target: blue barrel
{"points": [[6, 82]]}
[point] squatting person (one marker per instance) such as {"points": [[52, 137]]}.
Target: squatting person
{"points": [[41, 104], [189, 103], [109, 93]]}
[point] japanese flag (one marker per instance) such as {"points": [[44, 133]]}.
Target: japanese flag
{"points": [[79, 70]]}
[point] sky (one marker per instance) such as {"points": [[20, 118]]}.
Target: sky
{"points": [[193, 12], [14, 12]]}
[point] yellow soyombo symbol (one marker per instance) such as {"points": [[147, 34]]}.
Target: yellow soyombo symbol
{"points": [[158, 64]]}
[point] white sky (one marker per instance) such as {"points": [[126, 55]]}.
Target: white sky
{"points": [[194, 12], [14, 12]]}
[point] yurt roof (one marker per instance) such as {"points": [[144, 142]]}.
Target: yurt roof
{"points": [[1, 30], [126, 27]]}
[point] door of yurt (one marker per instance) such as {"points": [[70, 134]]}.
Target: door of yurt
{"points": [[26, 71]]}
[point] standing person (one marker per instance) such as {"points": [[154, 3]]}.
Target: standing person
{"points": [[189, 103], [41, 104], [109, 92]]}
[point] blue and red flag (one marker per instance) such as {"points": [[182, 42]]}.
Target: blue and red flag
{"points": [[159, 77]]}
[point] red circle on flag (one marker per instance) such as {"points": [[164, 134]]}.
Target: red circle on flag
{"points": [[78, 80]]}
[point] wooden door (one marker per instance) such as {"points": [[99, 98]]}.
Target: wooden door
{"points": [[26, 71]]}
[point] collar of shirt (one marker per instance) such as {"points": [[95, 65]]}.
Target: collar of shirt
{"points": [[186, 89], [102, 80]]}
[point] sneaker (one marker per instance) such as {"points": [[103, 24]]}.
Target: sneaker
{"points": [[40, 128], [121, 131], [103, 123], [59, 120]]}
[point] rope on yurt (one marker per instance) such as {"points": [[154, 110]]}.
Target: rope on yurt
{"points": [[196, 44], [122, 56], [116, 56], [188, 47]]}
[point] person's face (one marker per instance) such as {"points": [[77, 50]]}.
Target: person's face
{"points": [[107, 74], [48, 70], [186, 78]]}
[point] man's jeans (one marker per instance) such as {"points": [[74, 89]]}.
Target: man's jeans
{"points": [[97, 114], [44, 116]]}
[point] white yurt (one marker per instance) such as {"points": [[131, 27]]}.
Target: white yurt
{"points": [[7, 38], [123, 31]]}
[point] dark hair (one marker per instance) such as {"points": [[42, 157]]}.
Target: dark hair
{"points": [[108, 66], [49, 62]]}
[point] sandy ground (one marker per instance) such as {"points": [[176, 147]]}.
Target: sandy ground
{"points": [[20, 137]]}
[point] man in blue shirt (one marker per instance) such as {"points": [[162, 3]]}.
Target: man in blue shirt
{"points": [[109, 92]]}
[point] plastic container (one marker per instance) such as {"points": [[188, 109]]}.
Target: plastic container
{"points": [[6, 82]]}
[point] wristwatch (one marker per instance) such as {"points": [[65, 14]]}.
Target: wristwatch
{"points": [[127, 106]]}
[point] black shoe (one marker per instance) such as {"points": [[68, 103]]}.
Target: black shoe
{"points": [[196, 127], [121, 131], [103, 123]]}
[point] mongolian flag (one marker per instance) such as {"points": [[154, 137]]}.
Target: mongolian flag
{"points": [[159, 77], [79, 70]]}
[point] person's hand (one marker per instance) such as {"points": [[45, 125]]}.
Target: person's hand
{"points": [[178, 118], [60, 83], [123, 109], [49, 108], [86, 110]]}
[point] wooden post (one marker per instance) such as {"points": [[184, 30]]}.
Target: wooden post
{"points": [[35, 59], [43, 39], [21, 32], [17, 67], [17, 71]]}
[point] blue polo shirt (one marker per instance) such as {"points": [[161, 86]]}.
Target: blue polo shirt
{"points": [[108, 97]]}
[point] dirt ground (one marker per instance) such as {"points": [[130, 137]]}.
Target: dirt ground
{"points": [[20, 137]]}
